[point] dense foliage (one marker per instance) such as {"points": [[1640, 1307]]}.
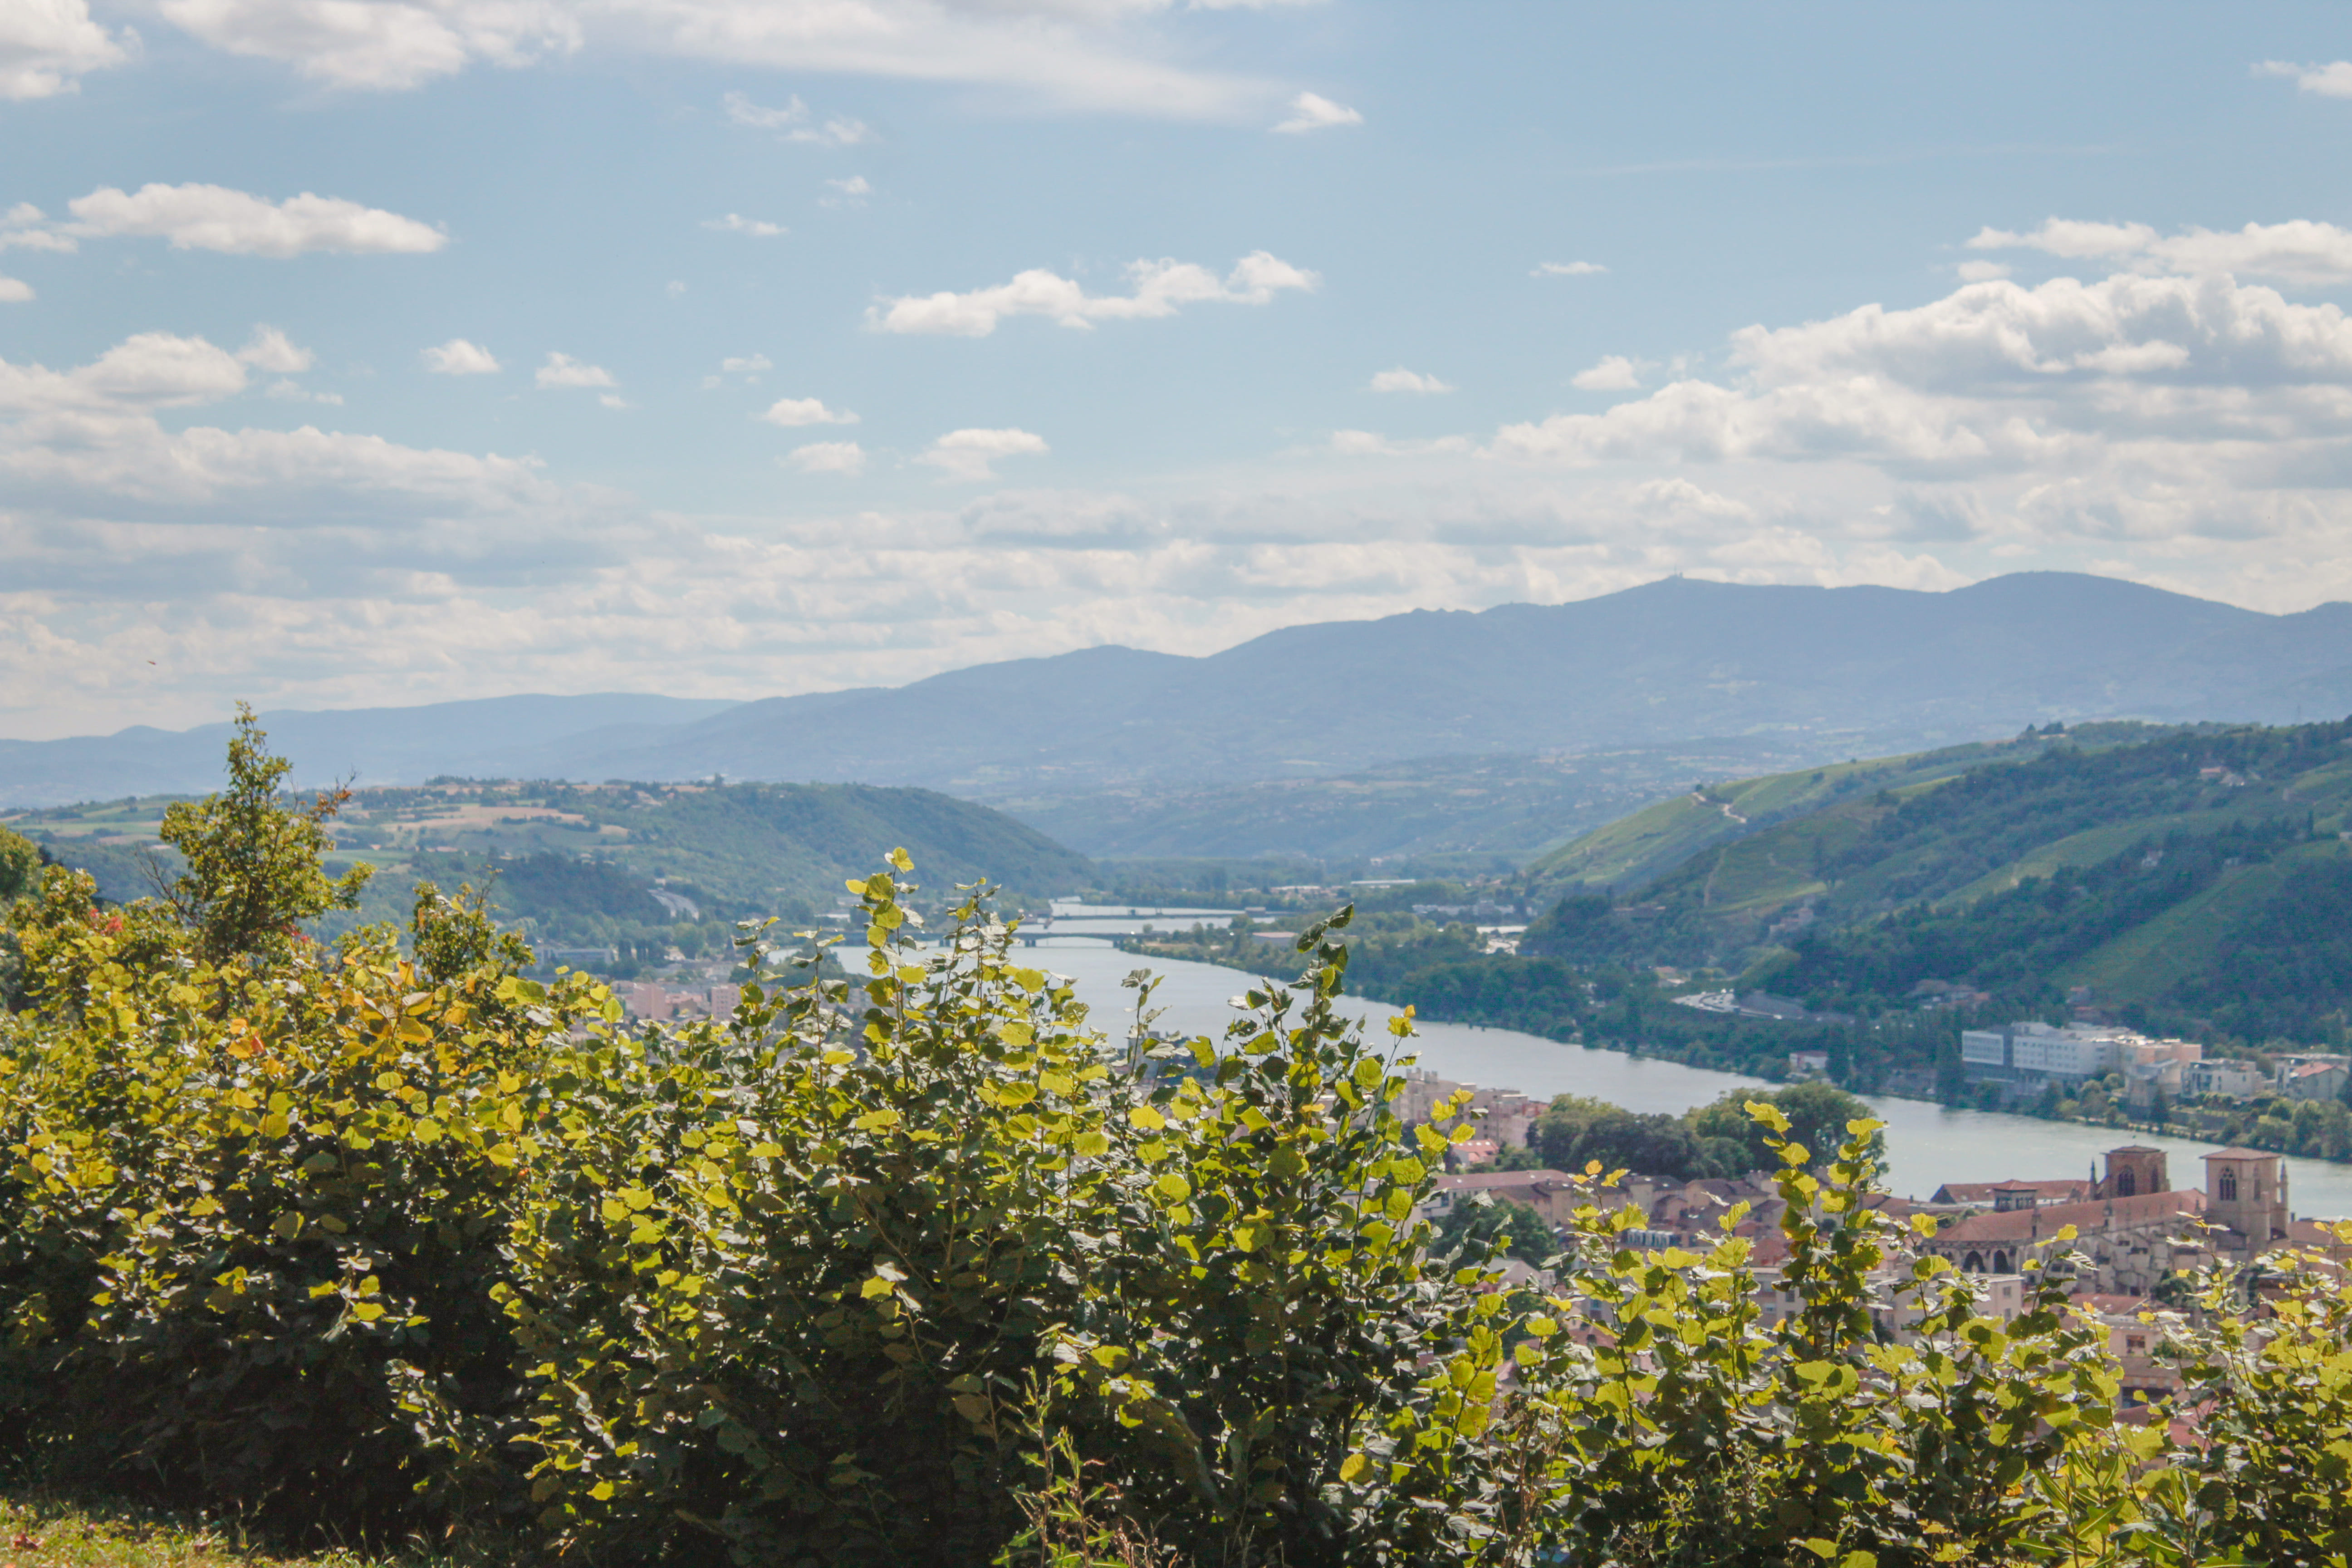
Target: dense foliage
{"points": [[2195, 876], [2012, 943], [930, 1267], [1723, 1138]]}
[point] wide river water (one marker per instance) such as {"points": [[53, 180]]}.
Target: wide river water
{"points": [[1926, 1144]]}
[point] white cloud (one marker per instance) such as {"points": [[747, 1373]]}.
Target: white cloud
{"points": [[793, 119], [1568, 269], [615, 400], [2189, 376], [747, 364], [1161, 288], [2333, 80], [459, 357], [1981, 271], [1367, 444], [1613, 373], [2300, 251], [146, 370], [851, 192], [1313, 111], [828, 457], [45, 46], [14, 290], [382, 45], [736, 223], [213, 217], [744, 112], [794, 411], [24, 228], [968, 455], [563, 371], [1053, 52], [1403, 380], [295, 392], [270, 350]]}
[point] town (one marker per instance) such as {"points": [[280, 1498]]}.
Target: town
{"points": [[2126, 1237]]}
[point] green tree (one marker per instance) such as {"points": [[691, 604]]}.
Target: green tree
{"points": [[253, 870], [1562, 1122], [20, 863], [1646, 1146], [1816, 1114]]}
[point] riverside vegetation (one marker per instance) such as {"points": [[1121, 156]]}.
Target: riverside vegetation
{"points": [[393, 1241]]}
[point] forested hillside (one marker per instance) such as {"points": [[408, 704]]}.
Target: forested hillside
{"points": [[2185, 876], [638, 867]]}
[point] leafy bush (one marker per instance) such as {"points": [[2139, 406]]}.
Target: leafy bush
{"points": [[801, 1282], [927, 1267], [253, 1220]]}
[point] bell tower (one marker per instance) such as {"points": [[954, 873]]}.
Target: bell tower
{"points": [[2134, 1171], [2245, 1189]]}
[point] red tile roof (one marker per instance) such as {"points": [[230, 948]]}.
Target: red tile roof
{"points": [[2039, 1224]]}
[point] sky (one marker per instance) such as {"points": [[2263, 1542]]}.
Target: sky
{"points": [[384, 351]]}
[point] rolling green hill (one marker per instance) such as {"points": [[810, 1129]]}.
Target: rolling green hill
{"points": [[641, 867], [2185, 875]]}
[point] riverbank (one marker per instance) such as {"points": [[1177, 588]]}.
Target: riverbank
{"points": [[1928, 1144]]}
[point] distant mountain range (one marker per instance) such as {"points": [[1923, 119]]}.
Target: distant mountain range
{"points": [[1821, 672]]}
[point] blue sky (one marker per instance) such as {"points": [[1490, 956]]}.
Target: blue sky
{"points": [[386, 351]]}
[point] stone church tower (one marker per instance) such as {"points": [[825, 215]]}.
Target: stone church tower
{"points": [[2245, 1190], [2132, 1170]]}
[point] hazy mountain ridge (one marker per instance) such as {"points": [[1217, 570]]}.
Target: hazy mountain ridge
{"points": [[1829, 672], [369, 745]]}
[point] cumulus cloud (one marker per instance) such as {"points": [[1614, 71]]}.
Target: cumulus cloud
{"points": [[736, 223], [270, 350], [25, 228], [794, 411], [459, 357], [1161, 288], [1613, 373], [1403, 380], [381, 44], [2333, 80], [2129, 388], [744, 364], [1981, 271], [563, 371], [1313, 111], [793, 119], [850, 192], [47, 46], [828, 457], [1568, 269], [14, 290], [970, 455], [2300, 251], [1085, 56], [213, 217]]}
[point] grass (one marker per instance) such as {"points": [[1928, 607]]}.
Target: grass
{"points": [[44, 1528]]}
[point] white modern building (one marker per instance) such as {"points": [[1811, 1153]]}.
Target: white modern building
{"points": [[2031, 1053]]}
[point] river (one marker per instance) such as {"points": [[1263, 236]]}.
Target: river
{"points": [[1926, 1144]]}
